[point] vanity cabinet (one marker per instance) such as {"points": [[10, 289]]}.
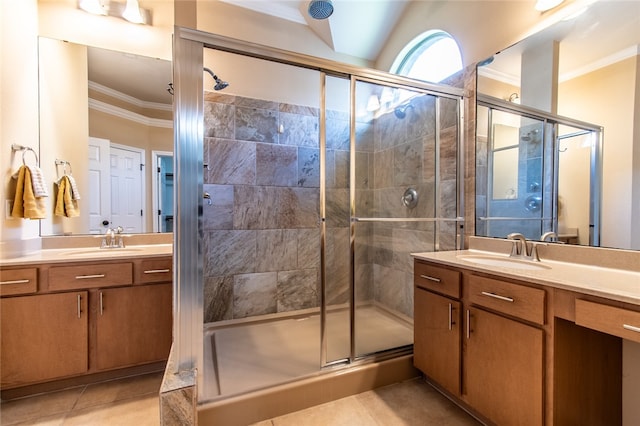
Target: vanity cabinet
{"points": [[503, 369], [482, 340], [43, 337], [437, 323], [84, 318], [437, 339], [503, 354], [132, 325]]}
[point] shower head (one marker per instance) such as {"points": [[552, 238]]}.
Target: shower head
{"points": [[320, 9], [219, 83], [401, 111], [485, 61]]}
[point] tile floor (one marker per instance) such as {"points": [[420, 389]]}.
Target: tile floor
{"points": [[129, 401], [134, 401], [410, 403]]}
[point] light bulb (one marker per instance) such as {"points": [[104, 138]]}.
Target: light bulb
{"points": [[132, 12]]}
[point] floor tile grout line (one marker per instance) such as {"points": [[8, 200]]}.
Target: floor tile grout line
{"points": [[78, 399]]}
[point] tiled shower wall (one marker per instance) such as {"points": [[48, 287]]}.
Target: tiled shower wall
{"points": [[261, 233], [405, 157]]}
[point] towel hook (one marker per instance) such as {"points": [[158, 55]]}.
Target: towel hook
{"points": [[25, 149], [64, 164]]}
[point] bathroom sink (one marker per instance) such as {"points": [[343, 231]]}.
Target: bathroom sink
{"points": [[106, 252], [502, 262]]}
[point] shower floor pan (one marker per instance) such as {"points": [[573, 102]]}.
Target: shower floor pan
{"points": [[254, 356]]}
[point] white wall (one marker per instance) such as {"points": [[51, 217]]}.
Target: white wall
{"points": [[18, 107], [604, 97]]}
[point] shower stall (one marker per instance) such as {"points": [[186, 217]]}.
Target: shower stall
{"points": [[303, 187]]}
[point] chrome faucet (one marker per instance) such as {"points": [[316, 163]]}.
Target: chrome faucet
{"points": [[108, 239], [112, 238], [120, 242], [519, 248]]}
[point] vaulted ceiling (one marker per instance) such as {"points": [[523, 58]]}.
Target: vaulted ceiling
{"points": [[357, 28]]}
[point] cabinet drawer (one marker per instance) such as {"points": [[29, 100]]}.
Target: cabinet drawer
{"points": [[441, 280], [512, 299], [154, 271], [18, 281], [608, 319], [90, 276]]}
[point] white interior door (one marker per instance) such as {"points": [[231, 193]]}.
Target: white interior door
{"points": [[99, 182], [127, 188]]}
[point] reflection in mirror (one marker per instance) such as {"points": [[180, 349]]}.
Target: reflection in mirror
{"points": [[504, 162], [513, 159], [574, 181], [583, 68], [108, 116]]}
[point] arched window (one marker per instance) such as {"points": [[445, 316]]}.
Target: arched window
{"points": [[432, 56]]}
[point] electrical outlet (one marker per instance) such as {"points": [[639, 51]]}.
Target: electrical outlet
{"points": [[8, 208]]}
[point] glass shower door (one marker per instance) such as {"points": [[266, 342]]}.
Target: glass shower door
{"points": [[403, 187], [336, 271]]}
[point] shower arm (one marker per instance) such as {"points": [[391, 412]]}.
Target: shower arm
{"points": [[215, 77]]}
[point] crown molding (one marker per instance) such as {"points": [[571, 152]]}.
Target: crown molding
{"points": [[504, 77], [127, 98], [621, 55], [514, 80], [128, 115]]}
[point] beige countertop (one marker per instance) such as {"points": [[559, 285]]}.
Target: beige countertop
{"points": [[611, 283], [67, 255]]}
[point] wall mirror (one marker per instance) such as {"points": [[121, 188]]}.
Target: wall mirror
{"points": [[106, 120], [583, 68]]}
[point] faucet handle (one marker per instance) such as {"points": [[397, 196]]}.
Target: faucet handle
{"points": [[534, 250]]}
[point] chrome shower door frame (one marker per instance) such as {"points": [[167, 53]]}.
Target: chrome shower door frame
{"points": [[187, 350]]}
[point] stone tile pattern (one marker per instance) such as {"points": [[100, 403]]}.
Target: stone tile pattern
{"points": [[406, 156], [262, 235]]}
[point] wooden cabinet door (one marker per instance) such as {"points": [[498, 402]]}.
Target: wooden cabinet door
{"points": [[436, 347], [133, 325], [43, 337], [503, 369]]}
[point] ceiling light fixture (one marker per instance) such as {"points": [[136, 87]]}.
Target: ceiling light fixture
{"points": [[544, 5], [92, 6], [131, 10]]}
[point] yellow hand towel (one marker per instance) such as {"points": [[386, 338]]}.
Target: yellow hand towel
{"points": [[65, 204], [26, 204]]}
